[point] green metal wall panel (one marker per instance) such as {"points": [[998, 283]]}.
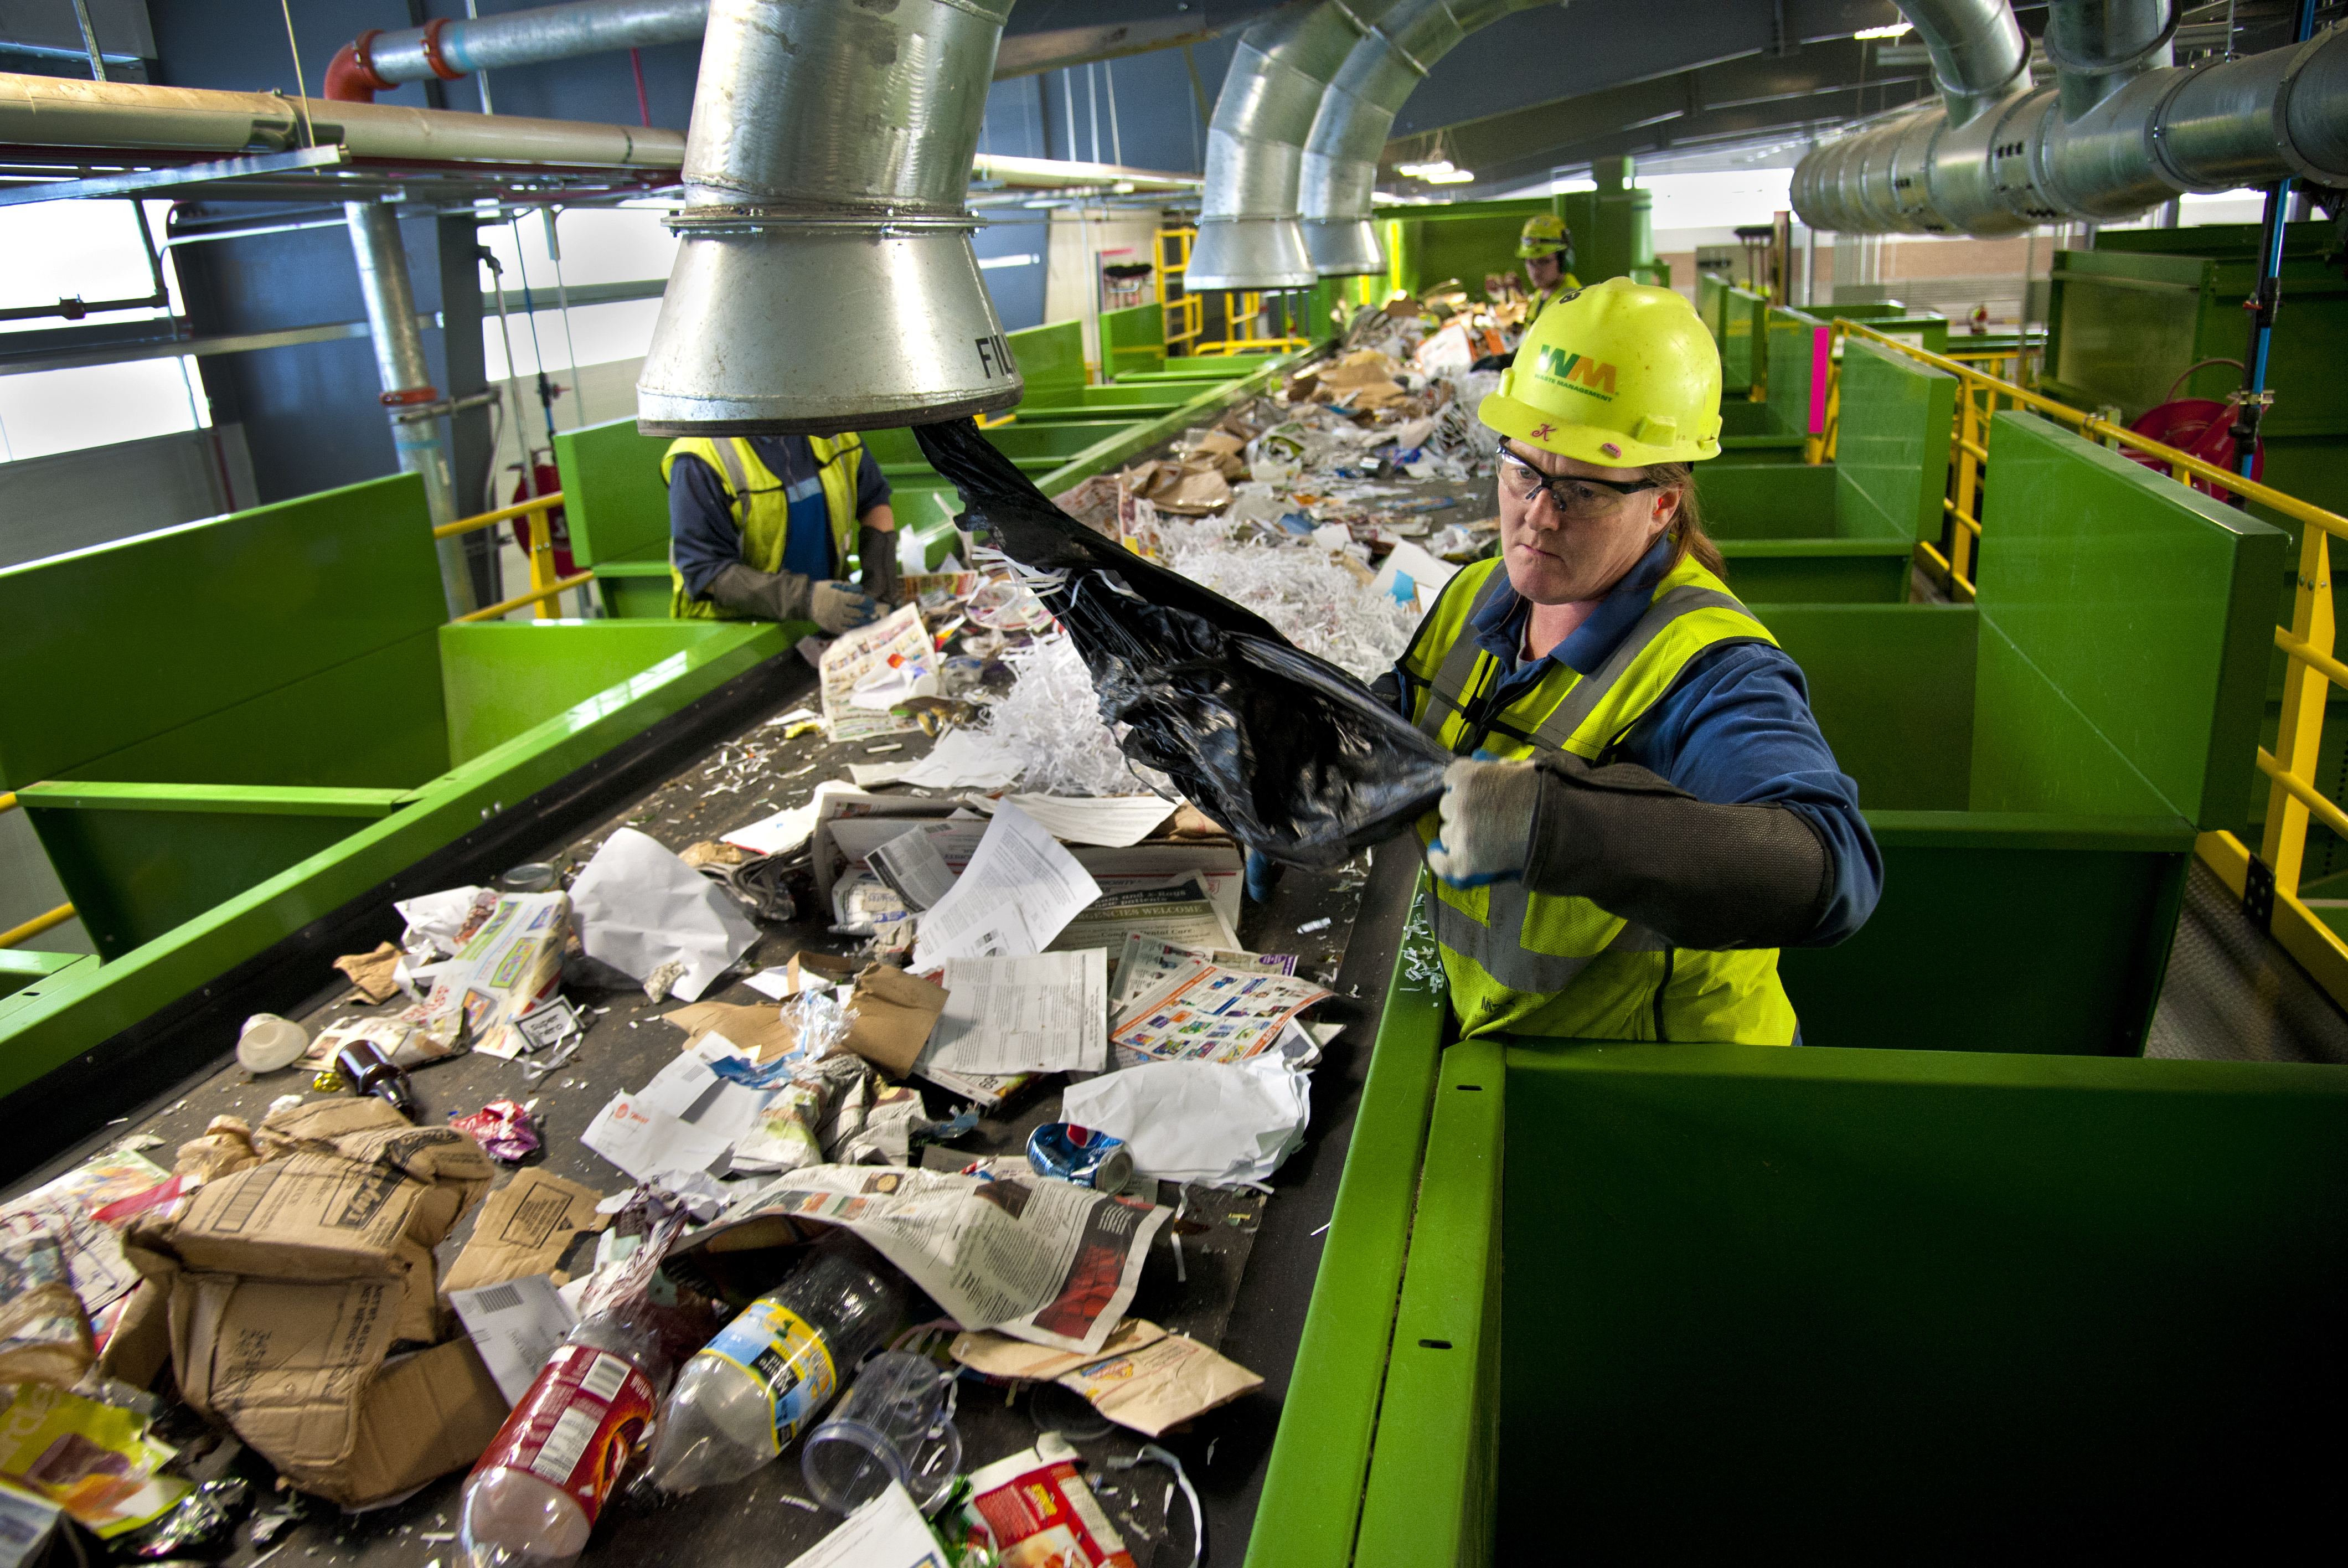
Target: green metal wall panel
{"points": [[267, 596], [395, 730], [502, 678], [2034, 750], [1135, 338], [612, 496], [1774, 500], [2148, 604], [1050, 359], [1852, 1298], [1892, 687], [1995, 935], [1830, 573], [1891, 443], [634, 595], [1791, 353]]}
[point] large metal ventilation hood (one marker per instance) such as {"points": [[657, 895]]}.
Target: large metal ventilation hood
{"points": [[824, 277], [2119, 132]]}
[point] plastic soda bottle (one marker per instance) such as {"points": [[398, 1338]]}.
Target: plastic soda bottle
{"points": [[565, 1449], [770, 1372]]}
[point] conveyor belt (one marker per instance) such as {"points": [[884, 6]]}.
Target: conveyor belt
{"points": [[1250, 1277]]}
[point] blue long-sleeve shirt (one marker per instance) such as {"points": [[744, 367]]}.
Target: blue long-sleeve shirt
{"points": [[1735, 729], [706, 532]]}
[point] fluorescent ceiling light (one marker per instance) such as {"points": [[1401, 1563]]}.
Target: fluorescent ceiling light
{"points": [[1893, 31], [1439, 172]]}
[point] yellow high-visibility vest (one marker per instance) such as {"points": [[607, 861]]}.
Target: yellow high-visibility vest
{"points": [[761, 510]]}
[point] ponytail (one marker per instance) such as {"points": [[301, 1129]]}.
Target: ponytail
{"points": [[1688, 537]]}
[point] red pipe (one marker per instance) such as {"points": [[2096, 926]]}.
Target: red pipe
{"points": [[350, 77]]}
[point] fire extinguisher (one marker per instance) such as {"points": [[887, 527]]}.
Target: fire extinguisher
{"points": [[544, 479]]}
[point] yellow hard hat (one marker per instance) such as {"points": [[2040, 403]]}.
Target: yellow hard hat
{"points": [[1544, 234], [1619, 374]]}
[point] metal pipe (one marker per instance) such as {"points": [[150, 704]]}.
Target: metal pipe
{"points": [[2159, 132], [1340, 165], [2098, 46], [134, 116], [1249, 235], [449, 47], [406, 380], [824, 278], [1979, 52]]}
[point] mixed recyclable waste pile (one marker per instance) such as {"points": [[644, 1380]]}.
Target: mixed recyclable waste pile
{"points": [[804, 1248]]}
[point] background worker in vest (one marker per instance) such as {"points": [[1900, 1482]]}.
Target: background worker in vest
{"points": [[1546, 247], [1644, 811], [760, 527]]}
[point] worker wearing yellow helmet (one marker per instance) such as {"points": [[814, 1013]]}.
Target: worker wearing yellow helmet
{"points": [[1546, 247], [1644, 811]]}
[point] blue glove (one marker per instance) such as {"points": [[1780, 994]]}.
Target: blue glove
{"points": [[1487, 822]]}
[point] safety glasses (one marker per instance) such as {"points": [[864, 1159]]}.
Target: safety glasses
{"points": [[1576, 500]]}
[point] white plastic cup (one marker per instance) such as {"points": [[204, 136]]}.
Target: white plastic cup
{"points": [[268, 1043]]}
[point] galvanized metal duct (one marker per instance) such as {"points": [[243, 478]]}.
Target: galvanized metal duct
{"points": [[824, 277], [453, 46], [1248, 236], [1339, 166], [2118, 134], [57, 111]]}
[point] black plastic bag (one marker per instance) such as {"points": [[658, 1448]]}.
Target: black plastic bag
{"points": [[1291, 754]]}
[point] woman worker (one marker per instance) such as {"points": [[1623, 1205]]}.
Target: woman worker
{"points": [[1644, 811]]}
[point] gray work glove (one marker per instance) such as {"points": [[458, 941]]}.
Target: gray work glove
{"points": [[1487, 817], [835, 607], [1698, 874], [877, 552]]}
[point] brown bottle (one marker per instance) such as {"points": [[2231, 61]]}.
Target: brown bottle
{"points": [[368, 1071]]}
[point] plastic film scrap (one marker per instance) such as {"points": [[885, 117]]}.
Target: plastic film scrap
{"points": [[1291, 754]]}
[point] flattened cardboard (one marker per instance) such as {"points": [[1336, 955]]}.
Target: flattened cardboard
{"points": [[1000, 1356], [891, 1017], [759, 1030], [524, 1228], [1161, 1384]]}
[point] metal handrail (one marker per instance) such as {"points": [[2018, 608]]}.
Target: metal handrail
{"points": [[2268, 879], [543, 586], [17, 934]]}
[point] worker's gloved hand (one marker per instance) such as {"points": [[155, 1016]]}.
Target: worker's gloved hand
{"points": [[1495, 361], [839, 607], [1488, 821], [877, 552], [761, 595]]}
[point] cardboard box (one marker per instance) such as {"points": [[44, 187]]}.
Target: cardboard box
{"points": [[523, 1230], [289, 1285]]}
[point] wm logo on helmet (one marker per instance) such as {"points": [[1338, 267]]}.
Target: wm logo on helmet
{"points": [[1579, 372]]}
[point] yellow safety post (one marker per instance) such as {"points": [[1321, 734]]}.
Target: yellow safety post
{"points": [[18, 935], [2306, 686]]}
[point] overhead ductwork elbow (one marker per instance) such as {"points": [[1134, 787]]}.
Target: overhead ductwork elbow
{"points": [[2120, 133], [1248, 236], [1339, 166], [824, 278]]}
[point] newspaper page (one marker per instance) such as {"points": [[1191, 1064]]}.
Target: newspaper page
{"points": [[1147, 960], [1206, 1013], [1181, 913], [95, 1265], [894, 645], [1048, 1262], [1044, 1013], [513, 962]]}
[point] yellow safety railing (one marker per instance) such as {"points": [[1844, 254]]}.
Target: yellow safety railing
{"points": [[18, 935], [2268, 880], [1186, 314], [544, 586]]}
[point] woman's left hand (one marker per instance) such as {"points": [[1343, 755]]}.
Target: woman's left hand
{"points": [[1487, 820]]}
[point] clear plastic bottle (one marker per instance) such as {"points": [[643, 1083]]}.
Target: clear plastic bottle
{"points": [[769, 1372], [565, 1449]]}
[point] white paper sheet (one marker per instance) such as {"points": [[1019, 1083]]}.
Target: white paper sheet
{"points": [[639, 906], [1412, 576], [1049, 1013], [687, 1090], [962, 759], [515, 1326], [1020, 888], [1205, 1122], [912, 866], [871, 775], [1111, 820], [644, 1141], [887, 1532], [783, 831], [439, 916]]}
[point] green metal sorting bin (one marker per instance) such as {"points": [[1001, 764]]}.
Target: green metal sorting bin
{"points": [[1616, 1301], [1844, 530], [226, 729]]}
